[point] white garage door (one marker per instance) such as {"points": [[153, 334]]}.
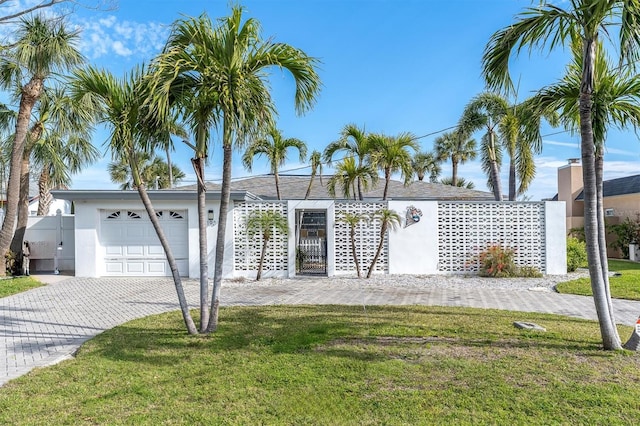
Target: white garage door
{"points": [[131, 245]]}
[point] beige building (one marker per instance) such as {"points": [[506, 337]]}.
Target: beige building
{"points": [[621, 196]]}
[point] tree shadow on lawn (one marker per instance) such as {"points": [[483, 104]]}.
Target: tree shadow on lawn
{"points": [[161, 340]]}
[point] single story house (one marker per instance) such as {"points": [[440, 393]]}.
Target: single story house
{"points": [[442, 231]]}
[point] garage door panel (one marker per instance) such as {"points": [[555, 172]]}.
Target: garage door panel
{"points": [[157, 267], [134, 251], [114, 268], [135, 268], [156, 251]]}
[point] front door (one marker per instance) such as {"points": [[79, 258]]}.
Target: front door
{"points": [[311, 249]]}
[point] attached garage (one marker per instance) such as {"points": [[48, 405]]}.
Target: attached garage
{"points": [[132, 248]]}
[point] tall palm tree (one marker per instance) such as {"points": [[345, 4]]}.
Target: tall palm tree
{"points": [[56, 120], [458, 147], [266, 223], [42, 47], [316, 168], [391, 155], [424, 163], [154, 171], [389, 219], [354, 142], [348, 175], [550, 25], [218, 75], [274, 147], [122, 110], [486, 111]]}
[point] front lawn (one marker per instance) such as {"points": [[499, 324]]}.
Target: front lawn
{"points": [[10, 285], [626, 285], [337, 365]]}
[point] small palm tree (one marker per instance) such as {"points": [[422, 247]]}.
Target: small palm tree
{"points": [[353, 219], [355, 143], [391, 154], [266, 223], [389, 219], [274, 148], [424, 163], [456, 146], [348, 176], [316, 168], [153, 170]]}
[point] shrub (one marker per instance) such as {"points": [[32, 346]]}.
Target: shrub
{"points": [[529, 272], [576, 254], [496, 261]]}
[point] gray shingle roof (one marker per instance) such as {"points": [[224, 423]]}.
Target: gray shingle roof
{"points": [[619, 186], [294, 187]]}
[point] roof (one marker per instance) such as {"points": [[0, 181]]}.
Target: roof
{"points": [[162, 194], [294, 187], [620, 186]]}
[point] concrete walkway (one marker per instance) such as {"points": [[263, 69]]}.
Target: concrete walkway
{"points": [[43, 326]]}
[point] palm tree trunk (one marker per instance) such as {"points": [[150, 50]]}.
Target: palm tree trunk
{"points": [[495, 171], [602, 232], [23, 205], [275, 174], [198, 166], [44, 194], [387, 178], [352, 235], [313, 175], [454, 172], [30, 94], [265, 242], [608, 331], [512, 180], [225, 196], [383, 233], [175, 273]]}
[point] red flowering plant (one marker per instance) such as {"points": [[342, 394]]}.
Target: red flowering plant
{"points": [[497, 261]]}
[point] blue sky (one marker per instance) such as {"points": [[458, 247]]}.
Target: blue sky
{"points": [[391, 66]]}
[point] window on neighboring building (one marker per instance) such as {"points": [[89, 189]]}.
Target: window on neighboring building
{"points": [[609, 212]]}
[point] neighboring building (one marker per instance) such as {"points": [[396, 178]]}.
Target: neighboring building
{"points": [[443, 229], [63, 205], [621, 197]]}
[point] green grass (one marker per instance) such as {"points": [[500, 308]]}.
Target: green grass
{"points": [[9, 285], [624, 286], [334, 365]]}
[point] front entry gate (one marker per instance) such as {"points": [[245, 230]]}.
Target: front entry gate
{"points": [[311, 234]]}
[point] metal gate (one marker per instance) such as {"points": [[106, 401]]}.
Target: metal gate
{"points": [[311, 234]]}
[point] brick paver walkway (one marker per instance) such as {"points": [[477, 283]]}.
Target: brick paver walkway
{"points": [[45, 325]]}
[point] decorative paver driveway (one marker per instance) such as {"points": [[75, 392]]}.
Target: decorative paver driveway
{"points": [[45, 325]]}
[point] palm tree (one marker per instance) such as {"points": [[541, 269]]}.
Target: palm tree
{"points": [[424, 163], [42, 47], [552, 25], [486, 111], [348, 175], [353, 142], [218, 76], [274, 147], [389, 219], [153, 171], [456, 146], [460, 183], [266, 223], [352, 220], [316, 168], [391, 154], [56, 121], [131, 135]]}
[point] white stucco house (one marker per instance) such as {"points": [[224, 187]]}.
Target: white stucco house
{"points": [[443, 230]]}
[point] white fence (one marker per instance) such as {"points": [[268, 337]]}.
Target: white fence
{"points": [[52, 243]]}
